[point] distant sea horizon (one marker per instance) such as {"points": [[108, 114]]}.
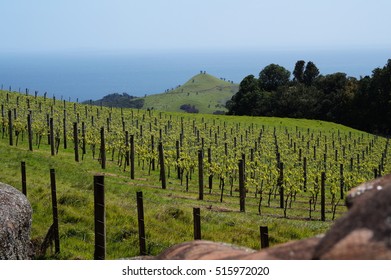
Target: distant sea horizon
{"points": [[92, 76]]}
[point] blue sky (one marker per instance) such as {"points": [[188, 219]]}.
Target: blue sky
{"points": [[203, 25]]}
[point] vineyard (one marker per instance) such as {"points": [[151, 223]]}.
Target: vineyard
{"points": [[243, 172]]}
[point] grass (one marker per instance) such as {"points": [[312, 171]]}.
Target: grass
{"points": [[168, 213], [206, 92]]}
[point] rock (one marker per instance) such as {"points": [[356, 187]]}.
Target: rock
{"points": [[15, 224], [204, 250], [208, 250], [364, 232]]}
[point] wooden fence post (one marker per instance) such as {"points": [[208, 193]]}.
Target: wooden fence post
{"points": [[242, 190], [162, 168], [200, 175], [64, 121], [10, 128], [197, 223], [76, 141], [55, 212], [264, 231], [322, 197], [210, 176], [141, 224], [280, 184], [177, 147], [305, 174], [30, 132], [24, 181], [83, 135], [132, 156], [102, 148], [153, 149], [51, 135], [100, 218], [341, 181]]}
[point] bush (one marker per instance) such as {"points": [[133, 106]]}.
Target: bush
{"points": [[189, 108]]}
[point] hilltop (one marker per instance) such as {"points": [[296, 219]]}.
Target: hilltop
{"points": [[203, 93]]}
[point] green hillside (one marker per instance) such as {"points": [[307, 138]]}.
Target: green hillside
{"points": [[169, 211], [206, 92]]}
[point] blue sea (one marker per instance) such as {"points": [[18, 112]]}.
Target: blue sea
{"points": [[73, 76]]}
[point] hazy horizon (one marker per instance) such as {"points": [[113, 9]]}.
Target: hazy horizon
{"points": [[94, 48], [94, 75]]}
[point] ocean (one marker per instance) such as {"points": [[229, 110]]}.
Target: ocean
{"points": [[92, 76]]}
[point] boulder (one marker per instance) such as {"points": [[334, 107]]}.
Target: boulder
{"points": [[15, 224], [364, 232]]}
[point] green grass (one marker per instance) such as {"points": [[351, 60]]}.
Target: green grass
{"points": [[206, 92], [168, 213]]}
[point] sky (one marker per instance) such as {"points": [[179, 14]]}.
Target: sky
{"points": [[203, 25]]}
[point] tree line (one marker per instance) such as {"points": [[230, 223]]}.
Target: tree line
{"points": [[363, 103]]}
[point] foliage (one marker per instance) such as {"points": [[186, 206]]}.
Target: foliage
{"points": [[123, 100], [364, 104], [272, 77], [189, 108]]}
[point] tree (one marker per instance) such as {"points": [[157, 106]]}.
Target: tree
{"points": [[311, 72], [298, 72], [380, 96], [272, 77], [246, 100]]}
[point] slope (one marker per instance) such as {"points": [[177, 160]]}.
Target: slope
{"points": [[205, 92]]}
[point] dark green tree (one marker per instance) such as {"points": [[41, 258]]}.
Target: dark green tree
{"points": [[298, 72], [246, 100], [272, 77], [311, 72], [380, 99]]}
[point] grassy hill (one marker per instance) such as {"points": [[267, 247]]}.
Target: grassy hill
{"points": [[168, 212], [206, 92]]}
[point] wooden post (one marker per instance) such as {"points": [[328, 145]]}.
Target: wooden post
{"points": [[127, 153], [24, 181], [51, 135], [83, 135], [197, 223], [162, 168], [64, 124], [141, 224], [264, 231], [200, 175], [102, 148], [242, 190], [10, 128], [210, 176], [341, 180], [280, 184], [55, 212], [30, 132], [76, 141], [305, 174], [152, 149], [322, 197], [100, 218], [132, 156], [177, 146]]}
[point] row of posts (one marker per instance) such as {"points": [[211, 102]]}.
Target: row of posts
{"points": [[100, 217]]}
